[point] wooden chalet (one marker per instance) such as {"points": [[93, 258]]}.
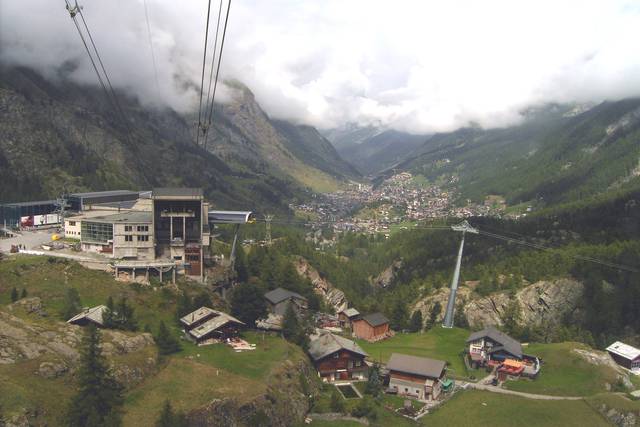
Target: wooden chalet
{"points": [[337, 358], [279, 299], [625, 355], [89, 315], [347, 316], [372, 327], [208, 326], [414, 376], [491, 347]]}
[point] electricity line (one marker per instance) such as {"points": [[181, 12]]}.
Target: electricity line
{"points": [[204, 63], [215, 84], [153, 56]]}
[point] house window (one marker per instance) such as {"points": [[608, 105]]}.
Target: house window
{"points": [[128, 228], [72, 223], [406, 390], [358, 362], [128, 238], [143, 238], [336, 355], [143, 228]]}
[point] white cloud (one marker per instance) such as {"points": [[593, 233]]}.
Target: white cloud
{"points": [[412, 65]]}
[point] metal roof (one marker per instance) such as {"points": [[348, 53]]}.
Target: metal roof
{"points": [[107, 193], [128, 217], [510, 345], [198, 315], [328, 344], [351, 312], [124, 204], [177, 192], [375, 319], [93, 314], [416, 365], [34, 203], [280, 294], [219, 320], [624, 350], [230, 217]]}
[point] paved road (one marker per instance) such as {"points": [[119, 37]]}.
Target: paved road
{"points": [[30, 239], [495, 389]]}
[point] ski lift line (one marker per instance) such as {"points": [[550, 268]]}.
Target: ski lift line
{"points": [[547, 248], [153, 56], [215, 83], [204, 63], [213, 62]]}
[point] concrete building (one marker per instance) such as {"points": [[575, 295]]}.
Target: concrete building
{"points": [[83, 201], [181, 226], [126, 235]]}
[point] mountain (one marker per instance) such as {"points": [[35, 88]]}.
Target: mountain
{"points": [[349, 134], [381, 151], [558, 154], [60, 136]]}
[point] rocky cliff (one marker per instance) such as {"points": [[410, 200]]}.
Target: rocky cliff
{"points": [[331, 295], [544, 302]]}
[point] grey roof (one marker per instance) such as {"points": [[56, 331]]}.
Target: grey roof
{"points": [[93, 314], [328, 344], [509, 344], [34, 203], [416, 365], [185, 192], [375, 319], [124, 204], [280, 294], [220, 319], [130, 217], [351, 312], [104, 193], [197, 315], [230, 217]]}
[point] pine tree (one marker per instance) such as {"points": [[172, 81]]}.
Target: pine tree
{"points": [[166, 342], [434, 313], [72, 304], [14, 295], [399, 316], [169, 418], [374, 384], [183, 307], [201, 300], [108, 319], [248, 304], [415, 325], [99, 396], [290, 323], [24, 293], [241, 264]]}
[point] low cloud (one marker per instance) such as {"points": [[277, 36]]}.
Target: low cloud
{"points": [[410, 65]]}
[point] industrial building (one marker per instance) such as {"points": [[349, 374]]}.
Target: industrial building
{"points": [[83, 201], [28, 214], [126, 235]]}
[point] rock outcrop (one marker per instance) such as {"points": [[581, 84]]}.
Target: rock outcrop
{"points": [[441, 295], [331, 295], [388, 275]]}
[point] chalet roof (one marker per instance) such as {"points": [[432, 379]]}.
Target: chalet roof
{"points": [[280, 294], [351, 312], [93, 314], [624, 350], [375, 319], [416, 365], [509, 344], [198, 315], [328, 344], [220, 319]]}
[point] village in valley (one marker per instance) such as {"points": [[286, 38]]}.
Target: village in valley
{"points": [[156, 244]]}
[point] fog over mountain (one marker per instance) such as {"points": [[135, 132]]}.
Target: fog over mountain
{"points": [[413, 66]]}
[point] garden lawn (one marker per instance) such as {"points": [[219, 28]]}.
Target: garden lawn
{"points": [[479, 408], [564, 373], [438, 343]]}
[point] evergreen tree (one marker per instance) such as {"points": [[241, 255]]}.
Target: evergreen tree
{"points": [[99, 396], [374, 384], [24, 293], [241, 264], [166, 342], [434, 313], [337, 402], [71, 304], [201, 300], [248, 304], [293, 329], [415, 325], [169, 418], [399, 316], [183, 307], [119, 317], [14, 295]]}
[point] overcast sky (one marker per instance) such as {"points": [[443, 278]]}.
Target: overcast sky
{"points": [[418, 66]]}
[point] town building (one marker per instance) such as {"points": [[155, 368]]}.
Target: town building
{"points": [[208, 326], [89, 315], [414, 376], [181, 226], [337, 358], [625, 355], [372, 327], [279, 299], [347, 316]]}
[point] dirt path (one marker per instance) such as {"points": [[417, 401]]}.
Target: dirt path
{"points": [[495, 389]]}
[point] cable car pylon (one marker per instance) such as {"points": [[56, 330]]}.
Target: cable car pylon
{"points": [[463, 227]]}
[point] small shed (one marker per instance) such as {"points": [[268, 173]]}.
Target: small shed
{"points": [[89, 315], [371, 327], [347, 316], [625, 355]]}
